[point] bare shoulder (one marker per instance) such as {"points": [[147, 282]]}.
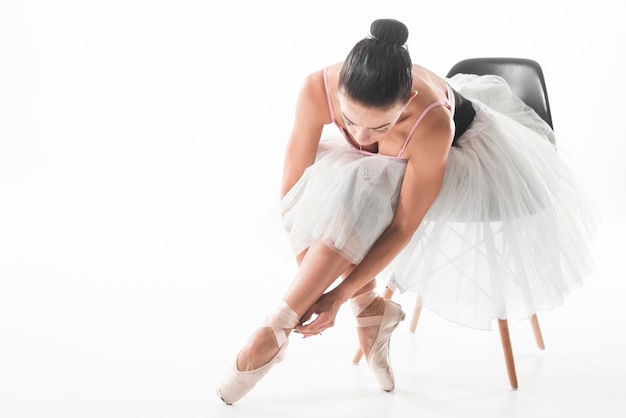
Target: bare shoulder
{"points": [[433, 137], [436, 131], [420, 69], [312, 99], [314, 86], [428, 82], [434, 134]]}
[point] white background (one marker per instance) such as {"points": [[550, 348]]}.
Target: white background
{"points": [[141, 147]]}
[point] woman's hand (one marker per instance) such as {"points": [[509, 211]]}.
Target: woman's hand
{"points": [[320, 316]]}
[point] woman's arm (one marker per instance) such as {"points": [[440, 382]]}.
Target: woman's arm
{"points": [[427, 157], [426, 165], [310, 117]]}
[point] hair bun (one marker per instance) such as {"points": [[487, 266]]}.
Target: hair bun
{"points": [[390, 31]]}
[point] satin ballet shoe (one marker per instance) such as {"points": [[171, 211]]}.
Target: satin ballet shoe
{"points": [[378, 358], [236, 383]]}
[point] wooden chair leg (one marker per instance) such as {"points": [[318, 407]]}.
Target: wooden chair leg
{"points": [[537, 331], [503, 325], [357, 356], [505, 337], [416, 313], [387, 294]]}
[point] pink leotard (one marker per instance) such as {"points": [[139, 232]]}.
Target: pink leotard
{"points": [[447, 103]]}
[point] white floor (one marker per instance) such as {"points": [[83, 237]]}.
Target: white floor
{"points": [[124, 317], [140, 146], [447, 371]]}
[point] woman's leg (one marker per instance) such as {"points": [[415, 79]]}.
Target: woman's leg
{"points": [[366, 306], [318, 268], [376, 319], [317, 271]]}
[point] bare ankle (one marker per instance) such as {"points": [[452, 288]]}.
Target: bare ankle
{"points": [[259, 349], [376, 307]]}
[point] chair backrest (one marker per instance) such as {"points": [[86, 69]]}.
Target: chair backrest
{"points": [[524, 76]]}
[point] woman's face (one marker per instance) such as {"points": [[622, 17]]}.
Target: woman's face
{"points": [[368, 125]]}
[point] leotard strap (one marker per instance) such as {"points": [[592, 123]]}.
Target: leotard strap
{"points": [[430, 107], [330, 103]]}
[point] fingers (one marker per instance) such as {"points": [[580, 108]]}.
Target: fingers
{"points": [[310, 329], [309, 316], [315, 326]]}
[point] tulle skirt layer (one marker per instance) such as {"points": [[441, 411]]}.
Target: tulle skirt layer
{"points": [[345, 199], [507, 237]]}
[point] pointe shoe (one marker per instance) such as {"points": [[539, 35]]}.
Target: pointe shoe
{"points": [[378, 359], [236, 383]]}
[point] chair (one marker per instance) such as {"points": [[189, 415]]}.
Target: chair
{"points": [[525, 77]]}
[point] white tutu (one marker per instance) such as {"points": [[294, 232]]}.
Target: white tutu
{"points": [[506, 237]]}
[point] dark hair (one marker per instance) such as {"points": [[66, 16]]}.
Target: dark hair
{"points": [[378, 70]]}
